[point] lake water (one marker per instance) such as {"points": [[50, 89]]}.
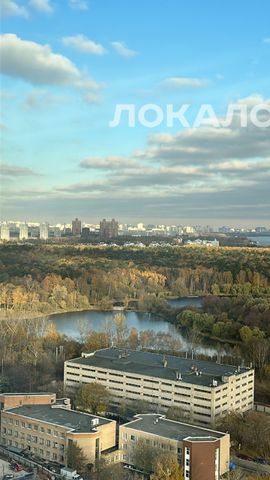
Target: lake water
{"points": [[69, 323], [262, 241]]}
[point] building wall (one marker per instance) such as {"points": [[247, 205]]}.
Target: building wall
{"points": [[41, 438], [201, 460], [18, 400], [129, 437], [202, 453], [203, 404], [225, 445], [50, 441]]}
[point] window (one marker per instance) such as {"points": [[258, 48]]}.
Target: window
{"points": [[29, 425], [17, 422], [55, 433], [49, 431], [133, 438], [23, 424], [48, 443]]}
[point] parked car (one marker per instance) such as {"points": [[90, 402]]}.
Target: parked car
{"points": [[245, 457], [261, 460], [8, 476]]}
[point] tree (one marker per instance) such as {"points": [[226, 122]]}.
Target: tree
{"points": [[75, 457], [92, 397], [111, 472], [144, 455], [166, 467], [177, 413]]}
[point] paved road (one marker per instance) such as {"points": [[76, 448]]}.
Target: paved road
{"points": [[252, 466]]}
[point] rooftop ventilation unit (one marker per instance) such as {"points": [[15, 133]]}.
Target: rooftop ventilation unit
{"points": [[94, 422]]}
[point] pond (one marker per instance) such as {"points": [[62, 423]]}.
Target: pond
{"points": [[70, 323]]}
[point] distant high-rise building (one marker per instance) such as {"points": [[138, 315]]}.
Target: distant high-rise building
{"points": [[108, 229], [188, 229], [23, 231], [44, 231], [5, 233], [76, 227]]}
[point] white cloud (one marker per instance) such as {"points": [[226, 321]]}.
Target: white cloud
{"points": [[184, 82], [15, 170], [40, 99], [11, 8], [266, 40], [78, 4], [38, 65], [123, 50], [108, 163], [41, 5], [83, 44]]}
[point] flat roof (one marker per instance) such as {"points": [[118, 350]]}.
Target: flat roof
{"points": [[152, 365], [72, 420], [27, 394], [161, 426]]}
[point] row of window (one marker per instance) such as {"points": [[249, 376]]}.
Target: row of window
{"points": [[38, 451]]}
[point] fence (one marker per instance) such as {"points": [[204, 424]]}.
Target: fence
{"points": [[28, 463]]}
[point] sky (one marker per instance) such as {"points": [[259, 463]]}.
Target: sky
{"points": [[67, 65]]}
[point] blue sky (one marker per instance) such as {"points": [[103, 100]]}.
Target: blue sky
{"points": [[67, 64]]}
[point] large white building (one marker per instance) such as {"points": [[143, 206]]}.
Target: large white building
{"points": [[204, 390], [5, 232], [23, 231], [44, 231]]}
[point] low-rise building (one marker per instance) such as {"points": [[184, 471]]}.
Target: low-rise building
{"points": [[203, 453], [12, 400], [204, 390], [48, 430]]}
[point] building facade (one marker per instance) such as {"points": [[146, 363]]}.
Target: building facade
{"points": [[44, 231], [108, 229], [204, 454], [76, 227], [48, 430], [12, 400], [201, 389], [5, 232], [23, 231]]}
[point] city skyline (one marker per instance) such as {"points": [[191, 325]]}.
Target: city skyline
{"points": [[66, 68]]}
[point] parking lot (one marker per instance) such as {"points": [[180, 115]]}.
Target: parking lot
{"points": [[5, 469]]}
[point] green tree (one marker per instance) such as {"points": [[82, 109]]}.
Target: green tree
{"points": [[75, 457], [144, 455], [166, 467], [93, 398]]}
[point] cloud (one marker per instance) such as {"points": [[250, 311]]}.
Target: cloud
{"points": [[11, 8], [123, 50], [42, 99], [78, 4], [198, 145], [41, 5], [184, 82], [266, 40], [83, 44], [108, 163], [15, 171], [38, 65]]}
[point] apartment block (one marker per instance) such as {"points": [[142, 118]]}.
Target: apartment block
{"points": [[203, 453], [47, 430], [204, 390]]}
